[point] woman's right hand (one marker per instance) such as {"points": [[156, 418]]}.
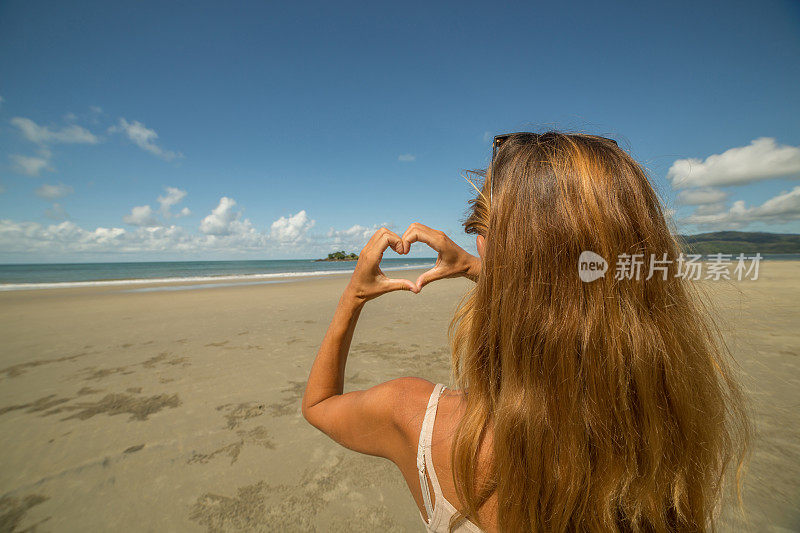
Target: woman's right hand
{"points": [[368, 280], [452, 262]]}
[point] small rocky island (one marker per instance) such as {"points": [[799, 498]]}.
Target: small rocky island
{"points": [[340, 256]]}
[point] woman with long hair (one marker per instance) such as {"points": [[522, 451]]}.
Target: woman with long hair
{"points": [[605, 404]]}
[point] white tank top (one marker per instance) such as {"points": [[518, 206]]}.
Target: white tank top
{"points": [[439, 516]]}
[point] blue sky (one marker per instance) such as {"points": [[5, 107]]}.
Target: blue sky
{"points": [[275, 130]]}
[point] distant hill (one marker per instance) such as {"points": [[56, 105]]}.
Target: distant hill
{"points": [[734, 242]]}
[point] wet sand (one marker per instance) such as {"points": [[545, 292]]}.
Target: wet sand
{"points": [[179, 410]]}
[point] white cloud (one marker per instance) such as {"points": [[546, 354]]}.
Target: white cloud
{"points": [[141, 215], [171, 198], [72, 134], [224, 233], [292, 229], [31, 165], [145, 216], [144, 138], [31, 239], [709, 209], [762, 159], [56, 212], [27, 236], [354, 233], [701, 196], [407, 158], [68, 237], [52, 192], [779, 209], [1, 101], [351, 239], [224, 220], [44, 136]]}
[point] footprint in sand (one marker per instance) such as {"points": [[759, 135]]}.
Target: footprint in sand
{"points": [[183, 361], [42, 404], [343, 478], [258, 436], [291, 402], [151, 363], [47, 402], [162, 358], [20, 368], [244, 347], [95, 374], [13, 511], [138, 407], [235, 414], [88, 390]]}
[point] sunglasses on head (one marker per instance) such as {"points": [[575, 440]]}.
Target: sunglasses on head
{"points": [[500, 139]]}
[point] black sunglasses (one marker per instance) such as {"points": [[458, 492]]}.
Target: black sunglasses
{"points": [[500, 139]]}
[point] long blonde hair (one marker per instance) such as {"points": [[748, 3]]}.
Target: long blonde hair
{"points": [[612, 405]]}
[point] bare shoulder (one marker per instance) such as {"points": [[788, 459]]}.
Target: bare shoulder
{"points": [[407, 397]]}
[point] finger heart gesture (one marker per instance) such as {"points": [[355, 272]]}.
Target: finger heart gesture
{"points": [[368, 280], [452, 260]]}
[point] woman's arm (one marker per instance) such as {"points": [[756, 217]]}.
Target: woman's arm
{"points": [[362, 420], [374, 421]]}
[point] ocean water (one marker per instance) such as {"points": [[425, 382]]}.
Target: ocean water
{"points": [[62, 275]]}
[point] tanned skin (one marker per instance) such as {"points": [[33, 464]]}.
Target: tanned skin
{"points": [[386, 419]]}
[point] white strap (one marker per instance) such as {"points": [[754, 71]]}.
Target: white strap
{"points": [[423, 450]]}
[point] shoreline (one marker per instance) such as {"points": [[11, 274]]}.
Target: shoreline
{"points": [[229, 280], [232, 279]]}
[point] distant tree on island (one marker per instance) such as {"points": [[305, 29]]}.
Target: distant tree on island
{"points": [[340, 256]]}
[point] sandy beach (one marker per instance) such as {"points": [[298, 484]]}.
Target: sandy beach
{"points": [[179, 410]]}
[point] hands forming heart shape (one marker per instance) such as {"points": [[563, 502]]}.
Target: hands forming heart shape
{"points": [[368, 281]]}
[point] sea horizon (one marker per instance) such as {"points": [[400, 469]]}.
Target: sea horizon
{"points": [[29, 276], [26, 276]]}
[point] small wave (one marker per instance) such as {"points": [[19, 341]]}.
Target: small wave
{"points": [[195, 279]]}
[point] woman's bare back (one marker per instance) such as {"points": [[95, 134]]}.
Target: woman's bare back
{"points": [[448, 415]]}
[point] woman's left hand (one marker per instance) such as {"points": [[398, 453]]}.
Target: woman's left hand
{"points": [[368, 281], [452, 261]]}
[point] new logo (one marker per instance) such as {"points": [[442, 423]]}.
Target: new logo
{"points": [[591, 266]]}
